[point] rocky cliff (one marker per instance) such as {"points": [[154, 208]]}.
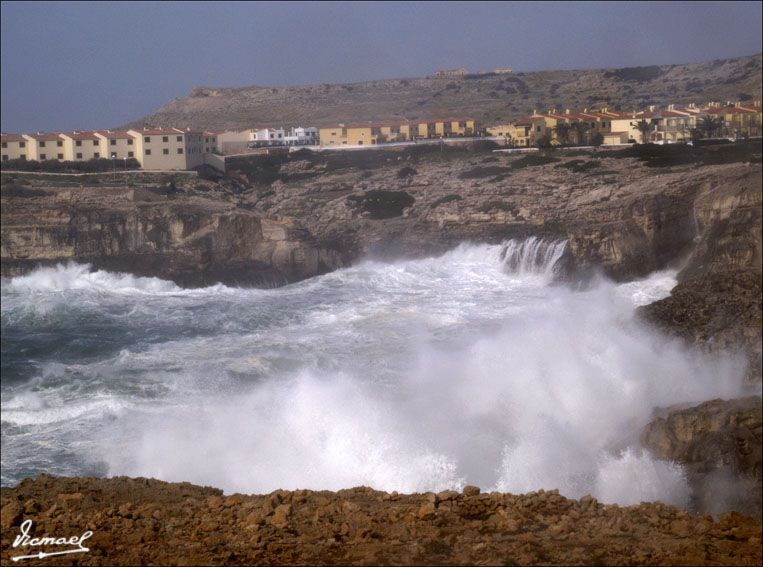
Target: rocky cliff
{"points": [[141, 521]]}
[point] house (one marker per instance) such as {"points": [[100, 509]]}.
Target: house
{"points": [[232, 141], [44, 146], [14, 146], [267, 137], [302, 137], [116, 144], [169, 148], [371, 133], [81, 146], [451, 72]]}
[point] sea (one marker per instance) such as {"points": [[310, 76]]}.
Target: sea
{"points": [[476, 367]]}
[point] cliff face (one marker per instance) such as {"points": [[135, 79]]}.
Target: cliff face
{"points": [[141, 521], [193, 241]]}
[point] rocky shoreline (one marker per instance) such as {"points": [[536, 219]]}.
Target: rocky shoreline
{"points": [[142, 521], [284, 219]]}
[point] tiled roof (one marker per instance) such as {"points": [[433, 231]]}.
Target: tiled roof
{"points": [[80, 135], [12, 138], [157, 131], [45, 137], [115, 135]]}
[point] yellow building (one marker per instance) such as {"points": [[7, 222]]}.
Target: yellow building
{"points": [[44, 146], [168, 148], [371, 133], [117, 144], [15, 146], [81, 146]]}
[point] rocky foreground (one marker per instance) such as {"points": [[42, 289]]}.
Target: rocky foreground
{"points": [[141, 522]]}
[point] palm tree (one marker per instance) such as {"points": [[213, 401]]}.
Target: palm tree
{"points": [[710, 125], [562, 131], [646, 131], [580, 128]]}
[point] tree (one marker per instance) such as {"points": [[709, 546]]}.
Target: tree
{"points": [[544, 141], [710, 125], [646, 131], [580, 128], [695, 134], [597, 139], [562, 131]]}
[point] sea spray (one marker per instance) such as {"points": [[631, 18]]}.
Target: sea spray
{"points": [[418, 375]]}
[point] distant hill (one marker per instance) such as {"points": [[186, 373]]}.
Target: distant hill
{"points": [[490, 97]]}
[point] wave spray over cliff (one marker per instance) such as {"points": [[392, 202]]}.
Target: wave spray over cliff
{"points": [[470, 368]]}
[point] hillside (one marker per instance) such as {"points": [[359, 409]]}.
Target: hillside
{"points": [[490, 98]]}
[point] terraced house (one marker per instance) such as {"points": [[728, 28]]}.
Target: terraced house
{"points": [[169, 148], [371, 133], [14, 146]]}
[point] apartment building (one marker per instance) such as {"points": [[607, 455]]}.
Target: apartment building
{"points": [[267, 137], [44, 146], [301, 136], [81, 146], [168, 148], [370, 133], [116, 144], [14, 146]]}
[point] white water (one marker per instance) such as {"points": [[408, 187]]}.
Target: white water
{"points": [[411, 376]]}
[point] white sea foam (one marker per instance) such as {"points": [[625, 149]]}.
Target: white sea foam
{"points": [[409, 376]]}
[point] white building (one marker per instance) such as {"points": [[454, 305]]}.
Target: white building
{"points": [[267, 137], [302, 137]]}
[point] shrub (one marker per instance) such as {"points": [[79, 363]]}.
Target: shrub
{"points": [[14, 190], [406, 172], [382, 204]]}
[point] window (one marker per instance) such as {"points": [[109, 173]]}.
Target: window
{"points": [[206, 140], [147, 139], [5, 156], [23, 158], [60, 156], [22, 144], [113, 142], [42, 156], [180, 138], [148, 152], [78, 143], [166, 151], [79, 156], [96, 155], [42, 145], [180, 150], [537, 128], [165, 138], [5, 144], [129, 141], [129, 154], [59, 143]]}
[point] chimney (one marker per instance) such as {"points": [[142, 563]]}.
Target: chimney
{"points": [[671, 106], [585, 110], [566, 110], [535, 112], [651, 108]]}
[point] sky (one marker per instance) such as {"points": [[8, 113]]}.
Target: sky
{"points": [[87, 65]]}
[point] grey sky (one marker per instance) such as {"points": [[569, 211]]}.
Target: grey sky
{"points": [[72, 65]]}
